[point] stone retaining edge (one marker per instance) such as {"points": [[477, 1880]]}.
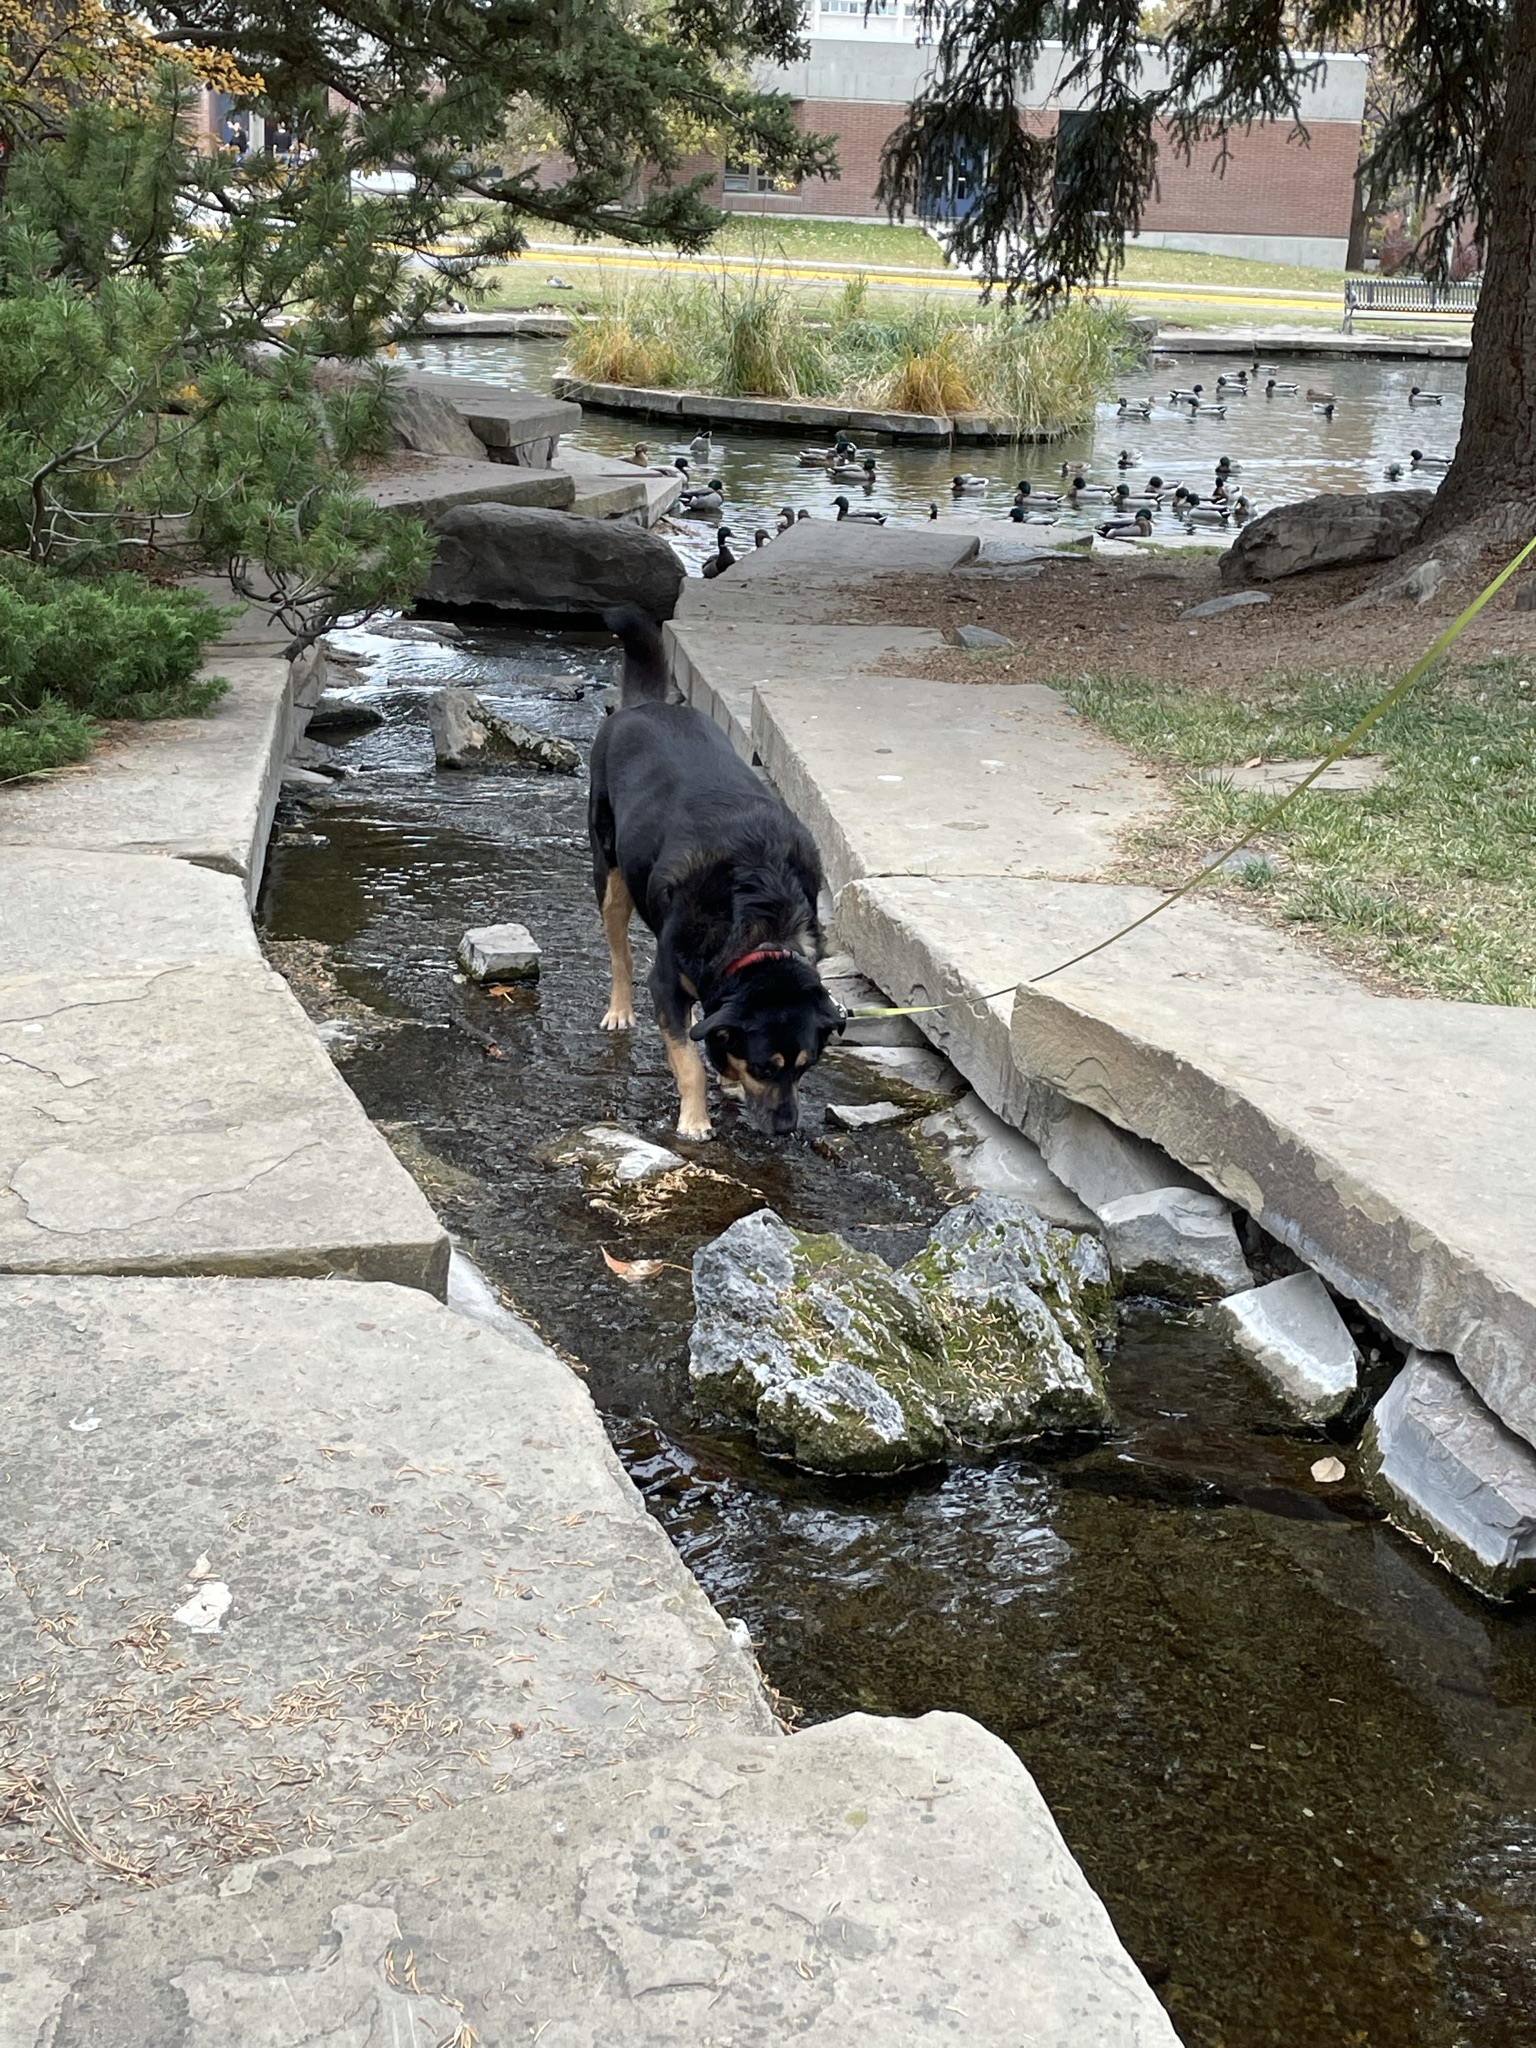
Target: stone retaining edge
{"points": [[773, 415]]}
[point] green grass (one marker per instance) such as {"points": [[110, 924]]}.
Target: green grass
{"points": [[746, 336], [1431, 876], [803, 241], [1182, 266]]}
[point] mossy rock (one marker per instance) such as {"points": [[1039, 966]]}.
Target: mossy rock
{"points": [[845, 1365]]}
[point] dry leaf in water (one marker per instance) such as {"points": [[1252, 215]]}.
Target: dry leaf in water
{"points": [[1329, 1471], [637, 1271]]}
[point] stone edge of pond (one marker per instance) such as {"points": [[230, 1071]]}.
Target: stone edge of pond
{"points": [[775, 415], [171, 912], [1331, 1143]]}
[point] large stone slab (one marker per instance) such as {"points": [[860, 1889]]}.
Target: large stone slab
{"points": [[506, 421], [892, 1881], [199, 789], [439, 1583], [719, 666], [1366, 1132], [520, 559], [432, 485], [605, 487], [78, 913], [186, 1119], [1452, 1476], [905, 776], [818, 570]]}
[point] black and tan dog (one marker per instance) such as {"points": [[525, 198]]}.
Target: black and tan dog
{"points": [[726, 877]]}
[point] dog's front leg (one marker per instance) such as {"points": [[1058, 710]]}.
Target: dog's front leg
{"points": [[618, 908], [688, 1072]]}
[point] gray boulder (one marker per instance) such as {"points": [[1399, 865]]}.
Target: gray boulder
{"points": [[422, 420], [1451, 1475], [845, 1365], [1174, 1242], [524, 558], [468, 733], [1324, 533], [340, 711]]}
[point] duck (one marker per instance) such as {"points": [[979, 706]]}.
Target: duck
{"points": [[705, 503], [1021, 515], [1242, 511], [801, 514], [846, 473], [1320, 397], [1208, 412], [1225, 466], [960, 484], [761, 538], [1275, 389], [1392, 472], [1236, 384], [1418, 397], [1127, 459], [785, 520], [699, 447], [1194, 513], [1027, 494], [815, 458], [641, 459], [1127, 411], [722, 559], [1325, 409], [868, 518], [933, 508], [1422, 461], [1190, 397], [1084, 492], [1266, 369], [1124, 502], [1139, 528]]}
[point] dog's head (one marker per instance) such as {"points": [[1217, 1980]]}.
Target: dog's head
{"points": [[766, 1033]]}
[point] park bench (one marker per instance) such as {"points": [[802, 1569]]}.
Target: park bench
{"points": [[1394, 297]]}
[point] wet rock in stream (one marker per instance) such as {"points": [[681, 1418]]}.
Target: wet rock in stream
{"points": [[469, 733], [846, 1365]]}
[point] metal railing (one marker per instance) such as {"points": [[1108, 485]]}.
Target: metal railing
{"points": [[1392, 296]]}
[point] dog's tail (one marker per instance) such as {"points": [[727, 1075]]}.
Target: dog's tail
{"points": [[645, 668]]}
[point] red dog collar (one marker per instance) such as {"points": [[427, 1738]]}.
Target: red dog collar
{"points": [[763, 953]]}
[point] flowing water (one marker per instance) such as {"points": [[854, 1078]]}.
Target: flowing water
{"points": [[1296, 1761]]}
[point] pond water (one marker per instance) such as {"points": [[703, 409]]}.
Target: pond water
{"points": [[1283, 448], [1295, 1760]]}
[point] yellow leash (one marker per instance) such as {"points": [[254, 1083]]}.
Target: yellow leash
{"points": [[1378, 711]]}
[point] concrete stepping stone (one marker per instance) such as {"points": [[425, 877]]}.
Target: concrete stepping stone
{"points": [[900, 775], [176, 1118], [718, 668], [1299, 1341], [500, 952], [440, 1582], [426, 486], [65, 910], [869, 1878], [199, 789], [1451, 1475]]}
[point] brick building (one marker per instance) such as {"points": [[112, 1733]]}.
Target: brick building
{"points": [[1283, 197]]}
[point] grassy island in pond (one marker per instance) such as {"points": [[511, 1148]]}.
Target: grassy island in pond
{"points": [[742, 339]]}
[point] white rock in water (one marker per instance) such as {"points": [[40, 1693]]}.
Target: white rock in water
{"points": [[500, 952], [1449, 1473], [864, 1116], [989, 1155], [1294, 1334], [1174, 1241], [1098, 1161], [610, 1153]]}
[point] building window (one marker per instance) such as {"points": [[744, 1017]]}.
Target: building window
{"points": [[745, 178]]}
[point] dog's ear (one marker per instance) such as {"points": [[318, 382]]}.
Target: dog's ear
{"points": [[717, 1020]]}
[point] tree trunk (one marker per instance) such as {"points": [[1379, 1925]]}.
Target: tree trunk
{"points": [[1495, 467]]}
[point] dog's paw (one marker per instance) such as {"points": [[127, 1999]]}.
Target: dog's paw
{"points": [[700, 1130], [618, 1020]]}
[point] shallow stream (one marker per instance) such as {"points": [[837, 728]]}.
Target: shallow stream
{"points": [[1296, 1761]]}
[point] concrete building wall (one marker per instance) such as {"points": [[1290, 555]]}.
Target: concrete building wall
{"points": [[1283, 194]]}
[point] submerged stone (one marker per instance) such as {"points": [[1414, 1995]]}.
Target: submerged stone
{"points": [[846, 1365]]}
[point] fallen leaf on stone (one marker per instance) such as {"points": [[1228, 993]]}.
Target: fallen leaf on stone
{"points": [[1329, 1471], [637, 1271], [201, 1570]]}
